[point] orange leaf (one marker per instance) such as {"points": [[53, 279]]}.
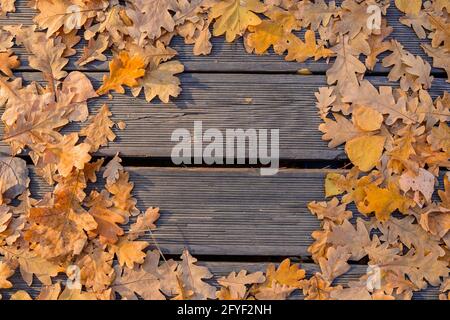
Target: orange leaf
{"points": [[123, 70]]}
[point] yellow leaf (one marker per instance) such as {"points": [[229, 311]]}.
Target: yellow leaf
{"points": [[410, 7], [234, 16], [130, 252], [21, 295], [383, 201], [365, 151], [8, 61], [123, 70], [264, 35], [271, 32], [286, 274], [367, 119], [332, 187]]}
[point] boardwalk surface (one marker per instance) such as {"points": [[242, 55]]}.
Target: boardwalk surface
{"points": [[224, 215]]}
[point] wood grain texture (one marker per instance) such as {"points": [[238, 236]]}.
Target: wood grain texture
{"points": [[284, 102], [229, 57], [219, 269], [227, 211]]}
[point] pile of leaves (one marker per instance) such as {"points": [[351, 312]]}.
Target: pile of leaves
{"points": [[396, 139]]}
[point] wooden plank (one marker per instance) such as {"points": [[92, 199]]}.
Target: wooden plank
{"points": [[219, 269], [284, 102], [228, 211], [230, 57]]}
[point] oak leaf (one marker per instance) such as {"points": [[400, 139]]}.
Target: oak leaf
{"points": [[378, 45], [66, 155], [124, 202], [142, 280], [300, 51], [410, 234], [383, 201], [339, 131], [366, 118], [381, 100], [422, 181], [47, 55], [330, 210], [275, 291], [8, 61], [234, 286], [192, 275], [441, 58], [130, 252], [106, 218], [94, 50], [76, 294], [353, 239], [315, 13], [271, 32], [435, 220], [317, 288], [56, 14], [98, 133], [7, 6], [50, 292], [445, 194], [410, 7], [354, 18], [20, 295], [144, 222], [112, 170], [5, 272], [156, 16], [325, 99], [13, 178], [95, 268], [346, 67], [31, 264]]}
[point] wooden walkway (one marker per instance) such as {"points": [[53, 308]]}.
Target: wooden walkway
{"points": [[223, 215]]}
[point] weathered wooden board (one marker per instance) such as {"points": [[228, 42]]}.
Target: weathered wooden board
{"points": [[219, 269], [284, 102], [213, 211], [229, 57]]}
